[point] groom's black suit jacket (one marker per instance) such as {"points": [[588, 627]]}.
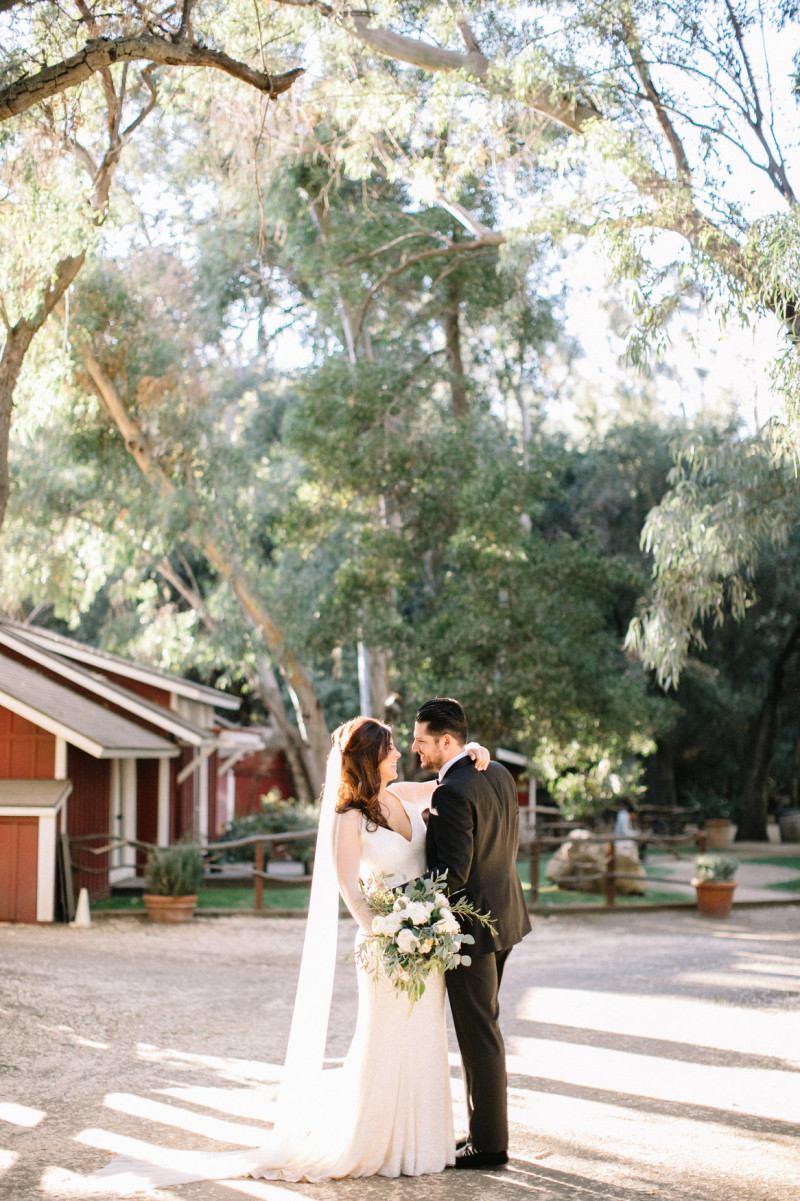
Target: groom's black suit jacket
{"points": [[473, 833]]}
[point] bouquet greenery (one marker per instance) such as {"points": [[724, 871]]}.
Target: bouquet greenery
{"points": [[415, 932]]}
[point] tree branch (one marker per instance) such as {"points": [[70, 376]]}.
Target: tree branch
{"points": [[573, 115], [465, 29], [405, 263], [189, 592], [100, 53], [643, 71], [226, 562]]}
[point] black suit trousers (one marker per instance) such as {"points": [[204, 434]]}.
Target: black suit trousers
{"points": [[472, 992]]}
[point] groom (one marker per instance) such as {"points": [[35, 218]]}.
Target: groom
{"points": [[473, 834]]}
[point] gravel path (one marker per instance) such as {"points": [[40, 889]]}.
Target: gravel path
{"points": [[651, 1055]]}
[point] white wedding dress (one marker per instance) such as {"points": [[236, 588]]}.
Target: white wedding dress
{"points": [[386, 1112]]}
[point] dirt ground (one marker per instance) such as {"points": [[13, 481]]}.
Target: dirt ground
{"points": [[650, 1055]]}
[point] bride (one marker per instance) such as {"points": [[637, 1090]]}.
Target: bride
{"points": [[387, 1111]]}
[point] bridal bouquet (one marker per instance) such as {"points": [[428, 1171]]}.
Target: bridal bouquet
{"points": [[415, 931]]}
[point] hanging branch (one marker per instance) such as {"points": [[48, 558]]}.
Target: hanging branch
{"points": [[101, 53]]}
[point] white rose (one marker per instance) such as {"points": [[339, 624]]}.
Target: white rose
{"points": [[378, 924], [439, 900], [426, 946], [392, 923], [407, 941], [419, 912], [449, 924]]}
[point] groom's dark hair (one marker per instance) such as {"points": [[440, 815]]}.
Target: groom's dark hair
{"points": [[443, 715]]}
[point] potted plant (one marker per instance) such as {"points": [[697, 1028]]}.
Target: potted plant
{"points": [[714, 884], [789, 824], [717, 811], [173, 877]]}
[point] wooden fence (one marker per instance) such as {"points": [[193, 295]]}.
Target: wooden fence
{"points": [[72, 848], [531, 848]]}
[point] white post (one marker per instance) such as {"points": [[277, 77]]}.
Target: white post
{"points": [[45, 870], [115, 820], [201, 793], [162, 834], [230, 808], [364, 698], [128, 810], [60, 773]]}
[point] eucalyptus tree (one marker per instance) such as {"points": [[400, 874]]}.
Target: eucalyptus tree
{"points": [[732, 511], [62, 142], [689, 105]]}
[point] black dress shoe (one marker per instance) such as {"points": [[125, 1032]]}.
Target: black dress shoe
{"points": [[470, 1158]]}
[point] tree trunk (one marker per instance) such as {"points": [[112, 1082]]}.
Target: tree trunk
{"points": [[18, 341], [373, 681], [452, 334], [292, 744], [225, 561], [753, 823], [665, 762]]}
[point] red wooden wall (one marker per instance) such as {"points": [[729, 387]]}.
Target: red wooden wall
{"points": [[88, 812], [158, 696], [19, 845], [256, 776], [26, 751], [146, 805]]}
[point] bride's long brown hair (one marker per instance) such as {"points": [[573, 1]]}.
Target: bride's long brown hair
{"points": [[364, 742]]}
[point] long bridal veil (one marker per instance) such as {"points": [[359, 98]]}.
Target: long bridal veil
{"points": [[288, 1145]]}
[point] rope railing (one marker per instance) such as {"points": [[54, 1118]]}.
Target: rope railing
{"points": [[258, 841], [531, 847], [608, 875]]}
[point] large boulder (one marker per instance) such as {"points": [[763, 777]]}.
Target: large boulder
{"points": [[579, 865]]}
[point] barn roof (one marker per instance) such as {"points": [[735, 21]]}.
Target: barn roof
{"points": [[117, 665], [28, 795], [82, 722], [133, 704]]}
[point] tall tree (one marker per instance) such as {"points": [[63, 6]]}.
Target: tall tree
{"points": [[51, 123]]}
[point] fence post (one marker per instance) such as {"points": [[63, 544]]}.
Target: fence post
{"points": [[611, 880], [258, 900]]}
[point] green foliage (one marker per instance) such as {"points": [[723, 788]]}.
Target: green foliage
{"points": [[711, 804], [731, 499], [274, 816], [175, 871], [715, 867]]}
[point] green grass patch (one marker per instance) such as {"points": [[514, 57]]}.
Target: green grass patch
{"points": [[219, 898], [791, 862]]}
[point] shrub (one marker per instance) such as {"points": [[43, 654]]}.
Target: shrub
{"points": [[176, 871], [274, 816]]}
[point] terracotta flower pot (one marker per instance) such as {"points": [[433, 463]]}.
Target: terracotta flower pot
{"points": [[719, 833], [169, 909], [714, 897]]}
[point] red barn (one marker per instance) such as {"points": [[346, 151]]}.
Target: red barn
{"points": [[92, 743]]}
